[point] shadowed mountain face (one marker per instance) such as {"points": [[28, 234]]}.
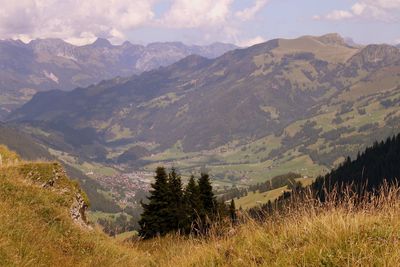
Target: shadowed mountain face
{"points": [[289, 89], [47, 64]]}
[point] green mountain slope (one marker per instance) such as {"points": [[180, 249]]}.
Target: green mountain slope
{"points": [[298, 105]]}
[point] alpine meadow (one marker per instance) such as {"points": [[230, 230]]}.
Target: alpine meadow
{"points": [[199, 133]]}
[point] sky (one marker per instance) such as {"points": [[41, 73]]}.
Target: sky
{"points": [[242, 22]]}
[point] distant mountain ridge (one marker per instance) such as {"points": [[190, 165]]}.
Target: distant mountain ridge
{"points": [[311, 99], [47, 64]]}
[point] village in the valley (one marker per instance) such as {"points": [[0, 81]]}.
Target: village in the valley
{"points": [[125, 186]]}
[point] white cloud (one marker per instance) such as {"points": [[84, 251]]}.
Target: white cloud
{"points": [[77, 20], [196, 13], [358, 8], [339, 15], [383, 10], [252, 41], [317, 17], [82, 21], [250, 12]]}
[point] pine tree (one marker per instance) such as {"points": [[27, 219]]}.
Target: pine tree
{"points": [[177, 212], [154, 219], [193, 205], [172, 209], [207, 197], [232, 211]]}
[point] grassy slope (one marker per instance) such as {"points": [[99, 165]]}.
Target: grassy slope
{"points": [[332, 237], [36, 230], [256, 198]]}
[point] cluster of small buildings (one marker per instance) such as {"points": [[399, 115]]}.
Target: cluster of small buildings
{"points": [[127, 183]]}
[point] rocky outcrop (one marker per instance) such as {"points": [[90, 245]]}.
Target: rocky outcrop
{"points": [[52, 176], [332, 39], [376, 56], [78, 211]]}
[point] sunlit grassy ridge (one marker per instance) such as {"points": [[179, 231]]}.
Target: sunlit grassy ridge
{"points": [[36, 230]]}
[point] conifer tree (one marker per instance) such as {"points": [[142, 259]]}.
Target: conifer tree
{"points": [[193, 204], [154, 219], [176, 211], [207, 196], [171, 208], [232, 211]]}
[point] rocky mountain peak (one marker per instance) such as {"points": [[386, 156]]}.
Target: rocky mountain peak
{"points": [[332, 39], [101, 43], [50, 42]]}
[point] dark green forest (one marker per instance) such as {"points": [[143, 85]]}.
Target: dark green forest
{"points": [[378, 164], [187, 210]]}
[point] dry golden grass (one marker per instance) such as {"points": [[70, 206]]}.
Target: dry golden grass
{"points": [[36, 230], [310, 234]]}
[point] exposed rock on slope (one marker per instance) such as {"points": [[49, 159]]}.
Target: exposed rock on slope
{"points": [[46, 226], [52, 176]]}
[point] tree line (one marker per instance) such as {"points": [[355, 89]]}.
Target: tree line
{"points": [[172, 207], [288, 179], [366, 173], [361, 177]]}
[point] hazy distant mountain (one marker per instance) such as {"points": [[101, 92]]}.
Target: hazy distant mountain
{"points": [[309, 100], [46, 64]]}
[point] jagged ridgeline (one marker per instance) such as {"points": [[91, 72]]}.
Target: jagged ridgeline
{"points": [[47, 64], [284, 105]]}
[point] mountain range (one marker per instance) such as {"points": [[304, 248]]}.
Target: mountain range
{"points": [[47, 64], [295, 105]]}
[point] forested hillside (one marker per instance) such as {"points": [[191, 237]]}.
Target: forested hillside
{"points": [[297, 105], [371, 169]]}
